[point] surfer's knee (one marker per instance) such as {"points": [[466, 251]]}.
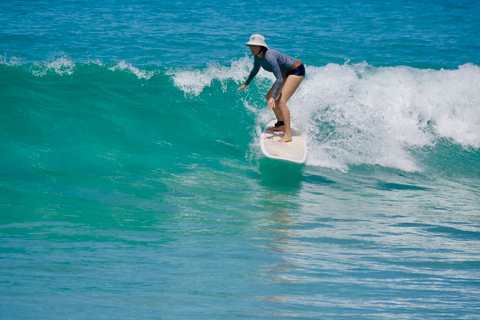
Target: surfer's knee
{"points": [[282, 104]]}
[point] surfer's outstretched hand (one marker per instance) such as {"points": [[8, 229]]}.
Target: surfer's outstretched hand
{"points": [[242, 87]]}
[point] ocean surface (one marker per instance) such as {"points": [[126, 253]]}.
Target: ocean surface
{"points": [[132, 184]]}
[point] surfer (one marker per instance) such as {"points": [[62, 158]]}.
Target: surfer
{"points": [[289, 73]]}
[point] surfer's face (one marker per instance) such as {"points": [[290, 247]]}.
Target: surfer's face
{"points": [[255, 49]]}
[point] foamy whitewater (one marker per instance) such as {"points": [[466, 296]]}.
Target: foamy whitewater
{"points": [[132, 184], [358, 114]]}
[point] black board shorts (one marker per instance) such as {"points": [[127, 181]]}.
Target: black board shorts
{"points": [[298, 71]]}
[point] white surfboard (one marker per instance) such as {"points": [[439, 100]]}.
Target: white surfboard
{"points": [[294, 151]]}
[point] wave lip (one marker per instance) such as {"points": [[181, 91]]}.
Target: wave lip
{"points": [[61, 66], [141, 74], [194, 81], [64, 65]]}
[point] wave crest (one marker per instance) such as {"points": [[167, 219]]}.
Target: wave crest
{"points": [[352, 114]]}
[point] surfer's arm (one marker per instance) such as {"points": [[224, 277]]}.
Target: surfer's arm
{"points": [[253, 73], [271, 59], [279, 78], [243, 86]]}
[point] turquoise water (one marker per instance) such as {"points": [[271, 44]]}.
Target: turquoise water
{"points": [[133, 185]]}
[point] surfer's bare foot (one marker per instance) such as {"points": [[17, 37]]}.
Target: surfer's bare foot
{"points": [[285, 138]]}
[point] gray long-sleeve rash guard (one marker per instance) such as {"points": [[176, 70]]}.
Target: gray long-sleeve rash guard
{"points": [[273, 61]]}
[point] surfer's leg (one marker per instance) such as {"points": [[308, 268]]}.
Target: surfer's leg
{"points": [[278, 113], [277, 110], [290, 86]]}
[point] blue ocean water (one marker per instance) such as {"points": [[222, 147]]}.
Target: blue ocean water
{"points": [[133, 185]]}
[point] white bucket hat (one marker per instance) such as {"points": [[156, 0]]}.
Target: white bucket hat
{"points": [[257, 40]]}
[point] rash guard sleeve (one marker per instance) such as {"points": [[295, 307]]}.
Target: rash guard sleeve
{"points": [[253, 73], [272, 61]]}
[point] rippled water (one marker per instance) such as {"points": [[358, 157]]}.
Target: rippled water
{"points": [[133, 185]]}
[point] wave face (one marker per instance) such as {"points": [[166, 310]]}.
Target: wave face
{"points": [[352, 114]]}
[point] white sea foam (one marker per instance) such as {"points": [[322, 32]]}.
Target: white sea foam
{"points": [[195, 81], [61, 65], [450, 99], [141, 74], [357, 114], [10, 61]]}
